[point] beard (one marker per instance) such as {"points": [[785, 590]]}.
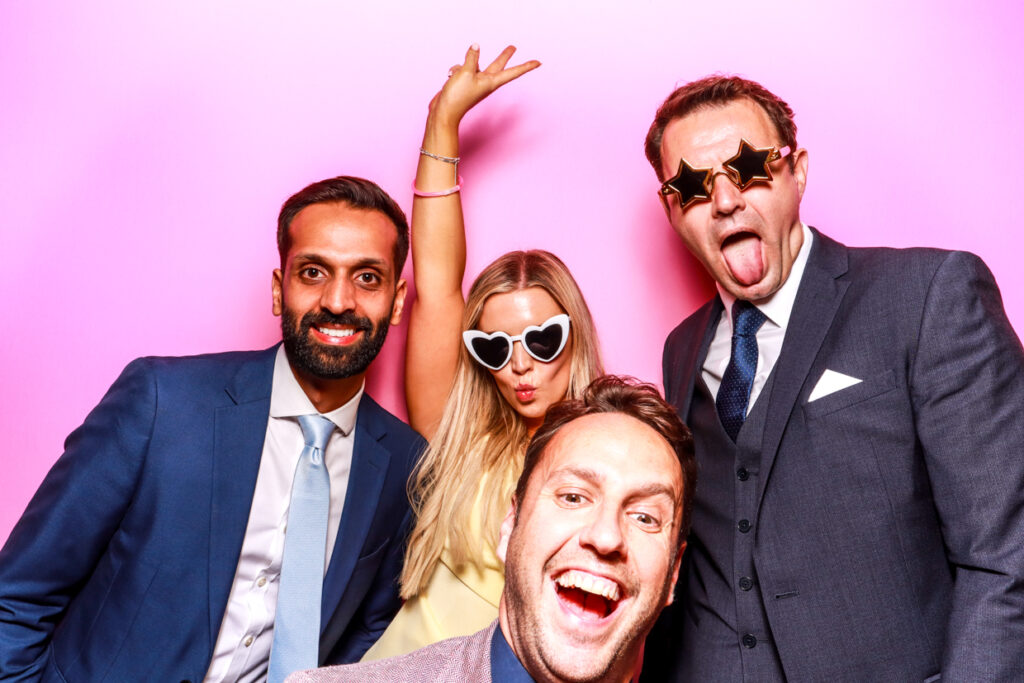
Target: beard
{"points": [[331, 362]]}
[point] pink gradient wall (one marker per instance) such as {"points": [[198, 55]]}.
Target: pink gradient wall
{"points": [[145, 149]]}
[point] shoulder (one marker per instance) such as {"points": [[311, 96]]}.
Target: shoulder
{"points": [[390, 430], [693, 326], [454, 660]]}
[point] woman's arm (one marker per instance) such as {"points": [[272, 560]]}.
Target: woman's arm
{"points": [[439, 239]]}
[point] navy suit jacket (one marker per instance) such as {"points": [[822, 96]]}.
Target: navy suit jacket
{"points": [[121, 566], [890, 514]]}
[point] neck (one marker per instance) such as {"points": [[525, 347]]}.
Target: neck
{"points": [[328, 394]]}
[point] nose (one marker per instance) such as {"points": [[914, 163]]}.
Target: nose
{"points": [[604, 533], [521, 361], [726, 197], [338, 296]]}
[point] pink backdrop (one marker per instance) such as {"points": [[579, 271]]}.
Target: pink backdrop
{"points": [[145, 150]]}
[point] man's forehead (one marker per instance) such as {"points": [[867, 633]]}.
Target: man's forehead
{"points": [[715, 130], [609, 446]]}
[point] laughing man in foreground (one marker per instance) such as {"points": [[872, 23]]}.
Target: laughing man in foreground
{"points": [[592, 544]]}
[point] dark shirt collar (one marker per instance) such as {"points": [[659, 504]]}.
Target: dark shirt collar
{"points": [[505, 666]]}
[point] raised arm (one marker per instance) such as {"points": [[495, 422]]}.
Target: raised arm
{"points": [[439, 238]]}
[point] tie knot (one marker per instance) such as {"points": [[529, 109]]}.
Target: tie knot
{"points": [[746, 318], [316, 430]]}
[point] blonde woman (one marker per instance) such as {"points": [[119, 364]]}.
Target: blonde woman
{"points": [[480, 376]]}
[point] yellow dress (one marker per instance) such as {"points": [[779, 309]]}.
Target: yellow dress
{"points": [[456, 602]]}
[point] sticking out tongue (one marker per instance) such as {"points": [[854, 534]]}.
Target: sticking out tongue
{"points": [[742, 254]]}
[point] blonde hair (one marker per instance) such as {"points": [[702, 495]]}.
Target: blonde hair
{"points": [[480, 436]]}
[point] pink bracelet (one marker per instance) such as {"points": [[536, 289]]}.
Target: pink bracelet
{"points": [[442, 193]]}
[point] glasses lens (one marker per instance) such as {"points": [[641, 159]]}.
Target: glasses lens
{"points": [[689, 183], [492, 352], [545, 343], [750, 165]]}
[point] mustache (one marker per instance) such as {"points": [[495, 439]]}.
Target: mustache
{"points": [[315, 318]]}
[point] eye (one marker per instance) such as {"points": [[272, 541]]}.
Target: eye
{"points": [[368, 278], [572, 498], [646, 520], [311, 273]]}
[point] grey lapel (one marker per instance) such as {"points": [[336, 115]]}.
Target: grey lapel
{"points": [[240, 430], [817, 301], [692, 363]]}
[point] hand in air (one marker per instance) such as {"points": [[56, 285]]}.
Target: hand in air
{"points": [[467, 84]]}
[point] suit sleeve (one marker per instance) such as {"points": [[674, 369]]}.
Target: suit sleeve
{"points": [[968, 391], [71, 520]]}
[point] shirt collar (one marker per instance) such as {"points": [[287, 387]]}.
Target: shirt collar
{"points": [[505, 666], [779, 306], [287, 399]]}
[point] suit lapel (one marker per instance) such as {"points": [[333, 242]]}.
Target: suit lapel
{"points": [[691, 360], [240, 430], [817, 301], [370, 462]]}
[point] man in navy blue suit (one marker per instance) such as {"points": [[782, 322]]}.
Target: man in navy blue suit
{"points": [[153, 549]]}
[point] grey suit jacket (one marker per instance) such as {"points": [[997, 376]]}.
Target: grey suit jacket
{"points": [[456, 660], [890, 531]]}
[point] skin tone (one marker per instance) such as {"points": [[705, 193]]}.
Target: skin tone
{"points": [[599, 520], [528, 385], [746, 240], [439, 241], [341, 260]]}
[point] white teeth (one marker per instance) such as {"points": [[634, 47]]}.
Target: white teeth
{"points": [[589, 583], [331, 332]]}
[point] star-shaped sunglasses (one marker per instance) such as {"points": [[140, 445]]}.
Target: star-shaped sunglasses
{"points": [[748, 166], [544, 342]]}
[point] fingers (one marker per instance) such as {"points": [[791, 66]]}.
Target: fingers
{"points": [[514, 72], [501, 60], [473, 58]]}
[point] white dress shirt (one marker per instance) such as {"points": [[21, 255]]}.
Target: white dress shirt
{"points": [[243, 645], [777, 309]]}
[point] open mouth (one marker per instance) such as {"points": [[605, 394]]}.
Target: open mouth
{"points": [[335, 335], [586, 595], [742, 253]]}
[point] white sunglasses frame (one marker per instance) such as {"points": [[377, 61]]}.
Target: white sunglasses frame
{"points": [[562, 320]]}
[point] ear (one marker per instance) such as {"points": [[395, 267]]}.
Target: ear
{"points": [[401, 289], [800, 170], [507, 525], [675, 574], [275, 288]]}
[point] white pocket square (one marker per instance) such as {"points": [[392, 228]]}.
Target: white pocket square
{"points": [[831, 382]]}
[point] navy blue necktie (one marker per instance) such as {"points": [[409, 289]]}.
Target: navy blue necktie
{"points": [[734, 394]]}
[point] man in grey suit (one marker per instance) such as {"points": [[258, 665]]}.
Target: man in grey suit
{"points": [[856, 417], [593, 542]]}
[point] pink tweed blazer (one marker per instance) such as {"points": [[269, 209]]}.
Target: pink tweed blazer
{"points": [[456, 660]]}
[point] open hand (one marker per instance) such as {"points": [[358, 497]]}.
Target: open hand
{"points": [[467, 84]]}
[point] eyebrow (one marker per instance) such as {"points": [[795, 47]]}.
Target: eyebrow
{"points": [[364, 262], [647, 490]]}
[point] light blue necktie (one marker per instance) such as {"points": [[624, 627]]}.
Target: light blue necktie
{"points": [[734, 393], [297, 620]]}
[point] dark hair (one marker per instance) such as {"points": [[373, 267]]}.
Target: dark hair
{"points": [[717, 91], [628, 396], [358, 193]]}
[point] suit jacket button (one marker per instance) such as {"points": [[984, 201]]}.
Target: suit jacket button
{"points": [[749, 641], [743, 526], [746, 583], [743, 474]]}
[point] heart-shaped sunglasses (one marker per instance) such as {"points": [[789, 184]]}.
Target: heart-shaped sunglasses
{"points": [[544, 342]]}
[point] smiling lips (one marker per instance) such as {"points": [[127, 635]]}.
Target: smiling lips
{"points": [[337, 336], [586, 595]]}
